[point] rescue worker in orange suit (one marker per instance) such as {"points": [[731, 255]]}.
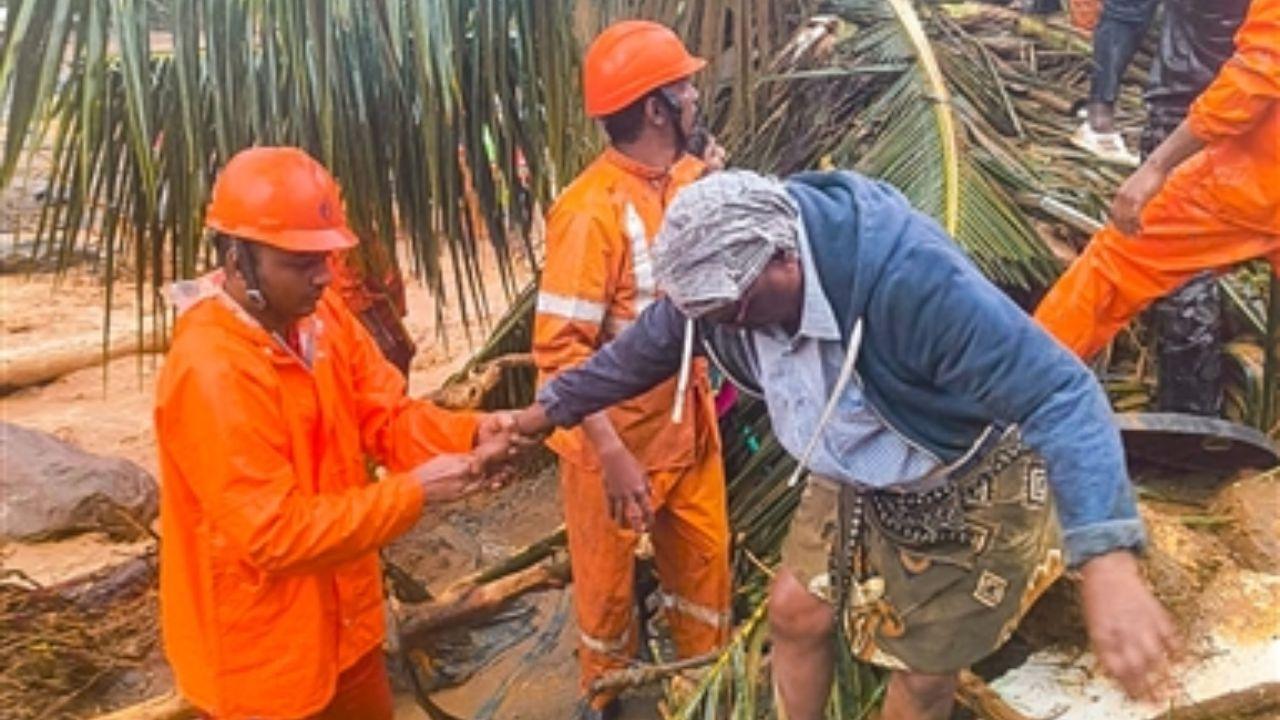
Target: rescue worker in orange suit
{"points": [[270, 400], [632, 470], [1207, 198]]}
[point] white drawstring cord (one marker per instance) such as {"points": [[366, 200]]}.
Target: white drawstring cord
{"points": [[686, 367], [846, 372]]}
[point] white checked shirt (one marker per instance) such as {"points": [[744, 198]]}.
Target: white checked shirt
{"points": [[798, 374]]}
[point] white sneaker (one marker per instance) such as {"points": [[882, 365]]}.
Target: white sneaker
{"points": [[1108, 147]]}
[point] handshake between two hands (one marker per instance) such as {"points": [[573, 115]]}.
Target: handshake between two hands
{"points": [[501, 438]]}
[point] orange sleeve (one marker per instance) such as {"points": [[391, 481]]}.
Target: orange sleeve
{"points": [[578, 281], [231, 435], [399, 431], [1248, 83]]}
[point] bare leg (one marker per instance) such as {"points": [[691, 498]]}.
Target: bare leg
{"points": [[801, 626], [919, 696]]}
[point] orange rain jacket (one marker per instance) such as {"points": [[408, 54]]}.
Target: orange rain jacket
{"points": [[270, 584], [1219, 208], [597, 278]]}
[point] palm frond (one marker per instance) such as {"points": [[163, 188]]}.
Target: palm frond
{"points": [[930, 76], [423, 109]]}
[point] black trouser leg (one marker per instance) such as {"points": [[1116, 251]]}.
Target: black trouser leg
{"points": [[1187, 324], [1115, 40]]}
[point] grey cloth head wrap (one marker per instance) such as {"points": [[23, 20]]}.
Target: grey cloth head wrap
{"points": [[717, 237]]}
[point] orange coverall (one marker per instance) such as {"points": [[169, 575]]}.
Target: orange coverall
{"points": [[598, 277], [270, 584], [1219, 208]]}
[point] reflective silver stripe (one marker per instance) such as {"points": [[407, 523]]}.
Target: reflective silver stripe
{"points": [[701, 613], [570, 307], [641, 260], [602, 647], [610, 646]]}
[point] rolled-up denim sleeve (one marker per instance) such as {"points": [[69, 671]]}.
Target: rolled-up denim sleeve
{"points": [[966, 335], [645, 354]]}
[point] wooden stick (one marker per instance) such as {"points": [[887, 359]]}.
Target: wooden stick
{"points": [[647, 674], [976, 695], [534, 552]]}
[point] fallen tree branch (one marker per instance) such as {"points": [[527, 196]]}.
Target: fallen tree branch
{"points": [[29, 365], [99, 589], [532, 553], [647, 674], [469, 392], [464, 602]]}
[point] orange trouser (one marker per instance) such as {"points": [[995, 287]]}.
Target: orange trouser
{"points": [[1185, 229], [690, 537]]}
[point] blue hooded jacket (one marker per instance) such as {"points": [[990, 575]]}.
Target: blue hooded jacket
{"points": [[945, 355]]}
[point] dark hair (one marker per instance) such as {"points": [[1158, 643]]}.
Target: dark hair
{"points": [[221, 246], [625, 125]]}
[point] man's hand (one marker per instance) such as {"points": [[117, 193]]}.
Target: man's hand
{"points": [[714, 155], [626, 488], [1134, 194], [446, 478], [1131, 633], [1146, 181], [496, 428], [497, 441], [531, 423]]}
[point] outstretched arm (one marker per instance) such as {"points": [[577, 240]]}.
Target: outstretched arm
{"points": [[645, 354]]}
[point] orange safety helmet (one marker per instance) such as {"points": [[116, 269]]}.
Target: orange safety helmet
{"points": [[279, 196], [629, 59]]}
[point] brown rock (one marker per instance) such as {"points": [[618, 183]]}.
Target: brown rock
{"points": [[50, 489]]}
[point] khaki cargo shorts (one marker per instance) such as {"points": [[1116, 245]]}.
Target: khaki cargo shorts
{"points": [[936, 580]]}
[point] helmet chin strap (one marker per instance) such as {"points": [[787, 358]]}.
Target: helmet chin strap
{"points": [[247, 264]]}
